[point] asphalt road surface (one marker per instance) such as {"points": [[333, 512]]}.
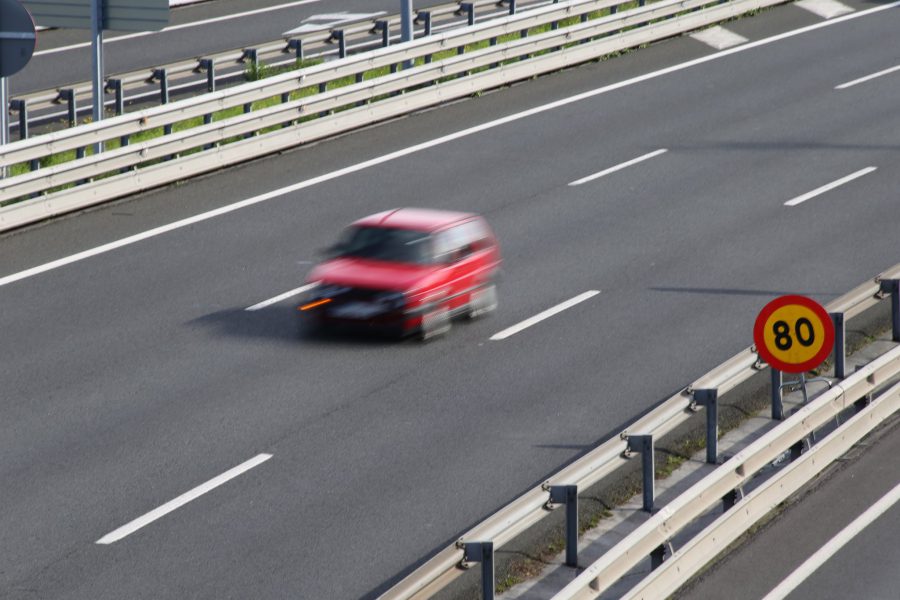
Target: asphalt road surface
{"points": [[133, 375]]}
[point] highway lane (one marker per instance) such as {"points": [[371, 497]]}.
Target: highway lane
{"points": [[63, 56], [135, 375], [864, 566]]}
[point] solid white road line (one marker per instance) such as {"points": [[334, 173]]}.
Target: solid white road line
{"points": [[718, 37], [836, 543], [429, 144], [619, 167], [183, 499], [544, 315], [830, 186], [280, 297], [177, 27], [827, 9], [844, 86]]}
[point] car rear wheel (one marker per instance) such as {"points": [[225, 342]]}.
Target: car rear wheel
{"points": [[435, 323], [483, 301]]}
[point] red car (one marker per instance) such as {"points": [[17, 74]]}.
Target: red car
{"points": [[406, 271]]}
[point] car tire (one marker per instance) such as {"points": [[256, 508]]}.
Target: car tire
{"points": [[435, 323], [483, 301]]}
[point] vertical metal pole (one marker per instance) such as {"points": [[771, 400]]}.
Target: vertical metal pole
{"points": [[385, 28], [512, 7], [342, 42], [840, 345], [712, 428], [709, 398], [777, 403], [4, 117], [572, 525], [803, 388], [892, 286], [98, 68], [426, 23], [406, 26], [487, 571], [648, 466], [297, 47]]}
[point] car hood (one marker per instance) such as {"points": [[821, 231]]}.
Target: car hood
{"points": [[372, 274]]}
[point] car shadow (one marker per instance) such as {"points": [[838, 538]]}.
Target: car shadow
{"points": [[283, 324]]}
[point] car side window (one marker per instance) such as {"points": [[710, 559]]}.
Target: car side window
{"points": [[449, 245]]}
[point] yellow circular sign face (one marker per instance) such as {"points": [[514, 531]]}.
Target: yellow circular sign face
{"points": [[793, 334]]}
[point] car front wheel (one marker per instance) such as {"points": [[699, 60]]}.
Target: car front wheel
{"points": [[435, 323], [483, 301]]}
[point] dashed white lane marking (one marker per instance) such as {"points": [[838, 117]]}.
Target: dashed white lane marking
{"points": [[719, 37], [177, 27], [85, 254], [834, 544], [844, 86], [544, 315], [830, 186], [827, 9], [619, 167], [280, 297], [183, 499]]}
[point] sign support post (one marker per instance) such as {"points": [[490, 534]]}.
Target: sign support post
{"points": [[406, 26], [4, 118], [97, 60]]}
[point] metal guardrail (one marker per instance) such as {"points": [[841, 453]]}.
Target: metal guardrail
{"points": [[208, 72], [732, 475], [715, 538], [517, 517], [573, 38]]}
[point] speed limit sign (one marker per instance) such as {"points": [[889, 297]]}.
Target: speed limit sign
{"points": [[793, 334]]}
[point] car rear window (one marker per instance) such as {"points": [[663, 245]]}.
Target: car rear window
{"points": [[384, 243]]}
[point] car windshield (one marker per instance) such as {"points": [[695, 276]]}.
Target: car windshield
{"points": [[382, 243]]}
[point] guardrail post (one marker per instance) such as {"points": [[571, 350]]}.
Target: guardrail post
{"points": [[777, 399], [163, 76], [568, 495], [840, 345], [425, 16], [209, 65], [253, 55], [731, 498], [297, 46], [643, 445], [512, 7], [892, 287], [385, 28], [21, 107], [469, 9], [118, 89], [482, 552], [323, 87], [338, 36], [657, 557], [68, 95], [710, 399]]}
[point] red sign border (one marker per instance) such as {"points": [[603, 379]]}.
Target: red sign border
{"points": [[771, 307]]}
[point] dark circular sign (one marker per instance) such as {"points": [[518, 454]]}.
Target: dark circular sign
{"points": [[17, 37], [793, 334]]}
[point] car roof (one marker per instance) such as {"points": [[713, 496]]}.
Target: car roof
{"points": [[419, 219]]}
